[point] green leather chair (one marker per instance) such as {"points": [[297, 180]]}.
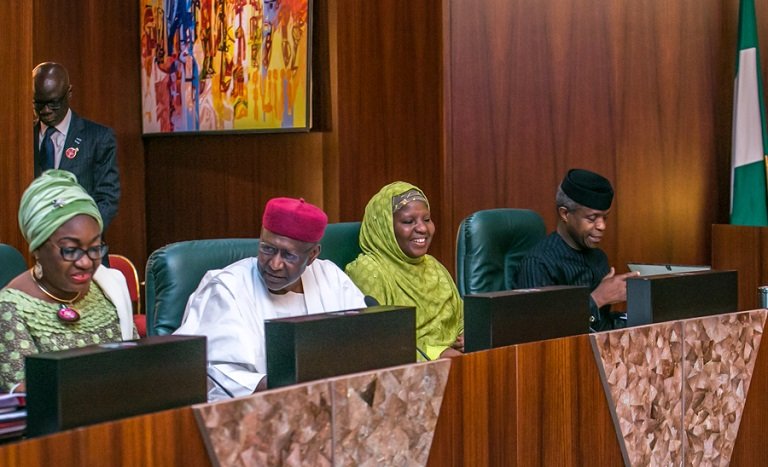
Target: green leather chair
{"points": [[490, 245], [174, 271], [341, 243], [12, 263]]}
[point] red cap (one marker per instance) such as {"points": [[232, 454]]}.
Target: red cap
{"points": [[294, 218]]}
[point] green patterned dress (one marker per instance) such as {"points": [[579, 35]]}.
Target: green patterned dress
{"points": [[29, 325]]}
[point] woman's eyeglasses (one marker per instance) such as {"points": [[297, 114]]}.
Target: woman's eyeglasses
{"points": [[73, 253]]}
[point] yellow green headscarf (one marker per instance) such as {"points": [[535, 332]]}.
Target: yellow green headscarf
{"points": [[52, 199], [387, 274]]}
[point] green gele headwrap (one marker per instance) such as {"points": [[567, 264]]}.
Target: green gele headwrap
{"points": [[51, 200]]}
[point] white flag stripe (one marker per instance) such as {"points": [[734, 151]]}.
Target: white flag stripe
{"points": [[748, 136]]}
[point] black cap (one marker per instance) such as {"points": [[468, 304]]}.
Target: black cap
{"points": [[588, 189]]}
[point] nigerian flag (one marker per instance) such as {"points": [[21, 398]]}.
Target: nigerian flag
{"points": [[748, 187]]}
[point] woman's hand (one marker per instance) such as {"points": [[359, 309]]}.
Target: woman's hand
{"points": [[450, 353], [459, 343]]}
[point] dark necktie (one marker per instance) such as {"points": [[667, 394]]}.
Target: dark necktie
{"points": [[46, 149]]}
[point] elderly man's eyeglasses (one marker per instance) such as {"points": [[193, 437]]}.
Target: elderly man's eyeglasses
{"points": [[269, 251], [73, 253], [54, 104]]}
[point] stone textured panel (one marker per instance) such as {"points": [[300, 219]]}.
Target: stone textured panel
{"points": [[289, 426], [384, 417], [641, 368], [388, 417], [677, 390], [720, 354]]}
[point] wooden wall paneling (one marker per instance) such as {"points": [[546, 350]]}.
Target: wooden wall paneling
{"points": [[98, 43], [633, 90], [500, 128], [389, 105], [325, 106], [744, 249], [16, 168], [667, 82], [212, 186]]}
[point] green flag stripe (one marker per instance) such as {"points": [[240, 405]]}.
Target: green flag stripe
{"points": [[749, 207]]}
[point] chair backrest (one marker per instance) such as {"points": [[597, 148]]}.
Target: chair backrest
{"points": [[490, 245], [174, 272], [341, 243], [12, 263], [131, 274]]}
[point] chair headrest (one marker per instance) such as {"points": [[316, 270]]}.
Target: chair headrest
{"points": [[490, 245]]}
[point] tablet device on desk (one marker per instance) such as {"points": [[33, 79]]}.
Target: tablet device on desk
{"points": [[655, 269]]}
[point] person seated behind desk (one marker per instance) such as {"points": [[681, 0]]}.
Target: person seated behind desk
{"points": [[570, 255], [230, 305], [395, 269], [67, 299]]}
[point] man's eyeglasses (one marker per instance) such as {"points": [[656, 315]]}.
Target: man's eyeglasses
{"points": [[73, 253], [289, 257], [54, 104]]}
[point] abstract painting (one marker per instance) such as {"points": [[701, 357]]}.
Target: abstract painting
{"points": [[225, 65]]}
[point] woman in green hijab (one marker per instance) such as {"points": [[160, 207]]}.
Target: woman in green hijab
{"points": [[395, 269], [67, 299]]}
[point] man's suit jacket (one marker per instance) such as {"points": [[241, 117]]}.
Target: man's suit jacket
{"points": [[90, 152]]}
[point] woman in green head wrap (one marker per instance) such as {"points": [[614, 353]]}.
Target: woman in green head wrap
{"points": [[66, 300], [395, 268]]}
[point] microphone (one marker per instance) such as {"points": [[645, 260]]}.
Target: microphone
{"points": [[370, 301]]}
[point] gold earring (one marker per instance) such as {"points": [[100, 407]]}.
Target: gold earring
{"points": [[38, 271]]}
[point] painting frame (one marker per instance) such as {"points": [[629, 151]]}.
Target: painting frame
{"points": [[225, 66]]}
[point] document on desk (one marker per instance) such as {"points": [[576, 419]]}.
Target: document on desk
{"points": [[656, 269]]}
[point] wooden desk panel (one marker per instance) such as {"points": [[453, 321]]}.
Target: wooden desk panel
{"points": [[534, 404], [162, 439], [751, 448], [563, 416]]}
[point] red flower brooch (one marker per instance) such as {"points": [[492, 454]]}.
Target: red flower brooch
{"points": [[71, 152]]}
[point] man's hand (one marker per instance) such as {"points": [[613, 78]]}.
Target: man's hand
{"points": [[612, 289]]}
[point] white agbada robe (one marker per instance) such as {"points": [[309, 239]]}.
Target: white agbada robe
{"points": [[229, 308]]}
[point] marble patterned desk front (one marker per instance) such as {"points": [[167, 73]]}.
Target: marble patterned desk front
{"points": [[677, 390], [382, 417]]}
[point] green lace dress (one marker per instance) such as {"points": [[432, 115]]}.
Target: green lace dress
{"points": [[29, 325]]}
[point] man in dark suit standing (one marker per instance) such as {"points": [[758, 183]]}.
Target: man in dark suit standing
{"points": [[65, 141]]}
